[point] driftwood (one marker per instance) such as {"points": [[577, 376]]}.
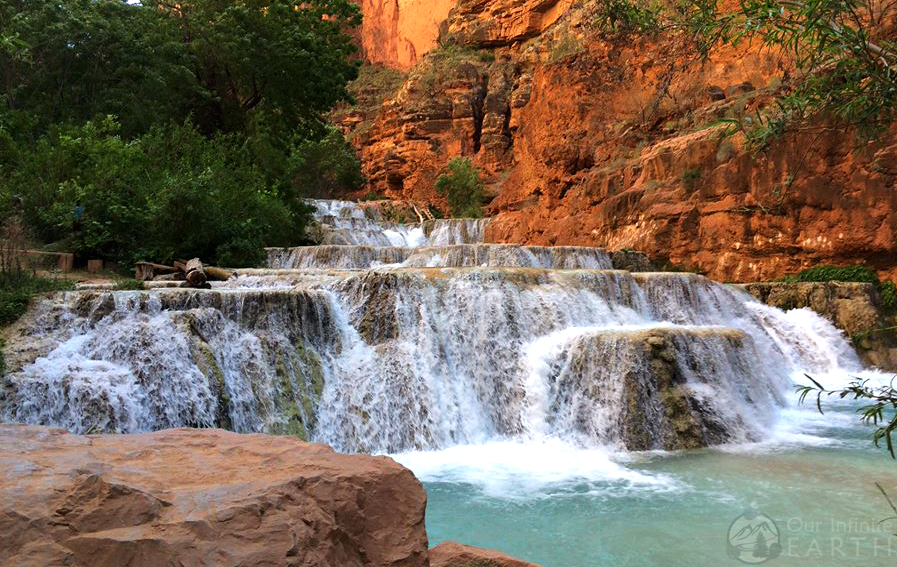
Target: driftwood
{"points": [[147, 270], [194, 272], [175, 277], [218, 274]]}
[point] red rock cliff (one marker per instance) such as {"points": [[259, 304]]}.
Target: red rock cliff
{"points": [[397, 33], [611, 140]]}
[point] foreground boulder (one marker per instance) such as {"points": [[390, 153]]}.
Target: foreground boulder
{"points": [[454, 554], [201, 498]]}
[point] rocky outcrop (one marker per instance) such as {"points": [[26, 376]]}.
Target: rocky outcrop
{"points": [[587, 137], [454, 554], [855, 308], [485, 23], [201, 497]]}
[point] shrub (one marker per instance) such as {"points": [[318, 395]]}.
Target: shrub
{"points": [[690, 177], [129, 284], [829, 273], [888, 291], [373, 196], [170, 193], [856, 273], [627, 16], [435, 211], [16, 293], [325, 168], [462, 187]]}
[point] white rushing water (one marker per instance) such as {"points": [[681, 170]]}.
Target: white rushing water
{"points": [[432, 345], [348, 223]]}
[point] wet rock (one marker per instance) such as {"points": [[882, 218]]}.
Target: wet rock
{"points": [[631, 261], [202, 498], [454, 554], [853, 307]]}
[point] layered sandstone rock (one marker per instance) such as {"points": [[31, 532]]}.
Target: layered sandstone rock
{"points": [[398, 32], [855, 308], [454, 554], [592, 138], [201, 497], [486, 23]]}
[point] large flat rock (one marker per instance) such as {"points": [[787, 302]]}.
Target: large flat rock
{"points": [[189, 497], [454, 554]]}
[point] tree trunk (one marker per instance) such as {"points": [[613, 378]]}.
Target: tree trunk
{"points": [[218, 274], [196, 275], [147, 270]]}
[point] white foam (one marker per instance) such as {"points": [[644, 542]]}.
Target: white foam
{"points": [[525, 469]]}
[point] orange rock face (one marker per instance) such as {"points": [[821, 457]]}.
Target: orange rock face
{"points": [[454, 554], [591, 138], [397, 33], [201, 498]]}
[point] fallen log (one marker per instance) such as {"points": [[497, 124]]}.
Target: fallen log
{"points": [[216, 274], [175, 277], [194, 272], [148, 270]]}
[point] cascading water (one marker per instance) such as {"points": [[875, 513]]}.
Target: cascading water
{"points": [[410, 337]]}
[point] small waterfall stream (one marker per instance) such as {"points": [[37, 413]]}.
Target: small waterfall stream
{"points": [[395, 337]]}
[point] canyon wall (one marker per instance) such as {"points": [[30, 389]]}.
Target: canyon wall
{"points": [[586, 137], [396, 33]]}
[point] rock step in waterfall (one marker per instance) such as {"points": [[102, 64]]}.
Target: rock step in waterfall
{"points": [[388, 349]]}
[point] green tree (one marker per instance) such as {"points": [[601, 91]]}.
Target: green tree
{"points": [[273, 64], [74, 60], [327, 167], [462, 188], [844, 58], [158, 130]]}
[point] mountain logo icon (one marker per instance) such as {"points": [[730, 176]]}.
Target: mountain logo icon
{"points": [[754, 538]]}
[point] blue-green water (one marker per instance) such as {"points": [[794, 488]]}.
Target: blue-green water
{"points": [[566, 507]]}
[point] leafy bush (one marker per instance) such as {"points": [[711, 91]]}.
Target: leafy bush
{"points": [[462, 188], [856, 273], [133, 131], [628, 16], [888, 292], [829, 273], [435, 211], [129, 284], [373, 196], [170, 193], [16, 293], [690, 177], [325, 168]]}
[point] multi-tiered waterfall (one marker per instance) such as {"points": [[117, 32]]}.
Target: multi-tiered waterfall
{"points": [[394, 337]]}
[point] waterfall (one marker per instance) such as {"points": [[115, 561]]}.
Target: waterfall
{"points": [[438, 341], [345, 223]]}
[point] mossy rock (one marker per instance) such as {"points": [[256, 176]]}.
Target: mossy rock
{"points": [[207, 363]]}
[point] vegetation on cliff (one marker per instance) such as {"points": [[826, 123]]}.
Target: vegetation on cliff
{"points": [[132, 131], [855, 273], [462, 187], [843, 53]]}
